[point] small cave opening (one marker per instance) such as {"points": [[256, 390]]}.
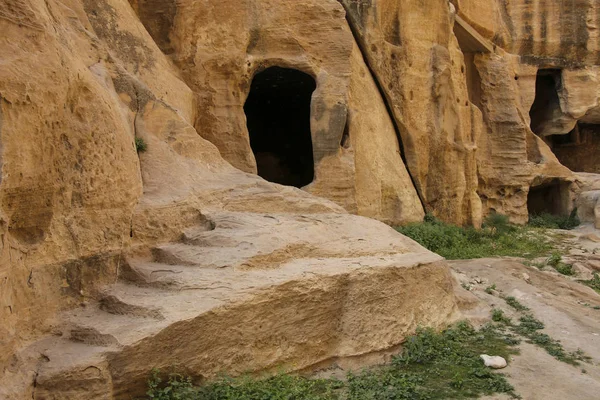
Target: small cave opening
{"points": [[551, 198], [579, 150], [546, 104], [278, 119]]}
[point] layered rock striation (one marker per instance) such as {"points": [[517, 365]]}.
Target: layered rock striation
{"points": [[114, 261]]}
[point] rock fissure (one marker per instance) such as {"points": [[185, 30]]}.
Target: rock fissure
{"points": [[360, 43]]}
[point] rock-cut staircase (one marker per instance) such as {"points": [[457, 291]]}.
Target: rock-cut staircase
{"points": [[259, 292]]}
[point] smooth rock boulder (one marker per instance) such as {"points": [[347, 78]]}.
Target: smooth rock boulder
{"points": [[495, 362]]}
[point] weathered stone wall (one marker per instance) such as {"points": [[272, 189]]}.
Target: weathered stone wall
{"points": [[420, 72], [402, 123], [70, 174], [581, 155], [220, 47], [530, 35], [79, 84]]}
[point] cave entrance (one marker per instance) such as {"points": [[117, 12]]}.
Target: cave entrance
{"points": [[546, 106], [552, 198], [278, 118], [580, 149]]}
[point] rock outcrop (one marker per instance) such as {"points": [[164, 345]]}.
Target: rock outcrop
{"points": [[259, 292], [84, 216], [114, 261], [422, 78]]}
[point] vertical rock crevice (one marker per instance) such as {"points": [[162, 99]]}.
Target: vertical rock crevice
{"points": [[361, 46]]}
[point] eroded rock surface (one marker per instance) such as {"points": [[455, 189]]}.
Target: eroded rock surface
{"points": [[258, 292], [457, 109], [89, 281]]}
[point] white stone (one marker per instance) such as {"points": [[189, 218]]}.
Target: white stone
{"points": [[495, 362]]}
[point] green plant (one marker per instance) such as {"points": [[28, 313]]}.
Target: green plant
{"points": [[549, 221], [499, 316], [565, 269], [490, 289], [498, 223], [453, 242], [594, 283], [433, 365], [176, 387], [514, 303], [555, 260], [140, 145]]}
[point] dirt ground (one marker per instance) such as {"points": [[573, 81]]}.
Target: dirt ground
{"points": [[565, 306]]}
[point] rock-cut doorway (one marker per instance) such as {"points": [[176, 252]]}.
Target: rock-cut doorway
{"points": [[278, 117]]}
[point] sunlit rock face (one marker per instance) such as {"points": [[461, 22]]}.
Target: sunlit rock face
{"points": [[266, 124]]}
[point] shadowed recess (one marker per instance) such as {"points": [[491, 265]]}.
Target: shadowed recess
{"points": [[278, 117], [551, 198], [546, 105], [580, 149]]}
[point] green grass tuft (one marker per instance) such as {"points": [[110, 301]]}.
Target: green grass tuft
{"points": [[499, 316], [555, 261], [514, 303], [490, 289], [594, 283], [497, 238], [550, 221], [140, 145]]}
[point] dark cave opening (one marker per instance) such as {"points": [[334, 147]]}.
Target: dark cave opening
{"points": [[278, 117], [579, 150], [551, 198], [546, 104]]}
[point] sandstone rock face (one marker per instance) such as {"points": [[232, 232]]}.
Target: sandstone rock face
{"points": [[258, 292], [459, 109], [543, 32], [220, 47], [588, 202], [370, 161], [80, 209], [70, 174], [511, 158], [545, 87], [422, 78]]}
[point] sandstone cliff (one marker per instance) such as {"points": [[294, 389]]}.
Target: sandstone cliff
{"points": [[455, 108]]}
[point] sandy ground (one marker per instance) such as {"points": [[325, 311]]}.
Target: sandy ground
{"points": [[564, 305]]}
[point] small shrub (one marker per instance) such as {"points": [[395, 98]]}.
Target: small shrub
{"points": [[555, 260], [498, 223], [490, 289], [565, 269], [498, 316], [594, 283], [549, 221], [514, 303], [140, 145], [176, 387], [429, 218]]}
